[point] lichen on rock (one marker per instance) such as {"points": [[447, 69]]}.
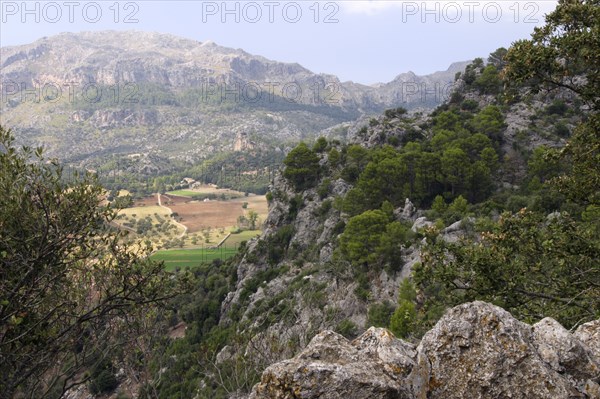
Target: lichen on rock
{"points": [[476, 350]]}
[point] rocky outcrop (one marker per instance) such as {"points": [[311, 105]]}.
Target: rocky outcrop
{"points": [[421, 223], [567, 354], [372, 366], [243, 143], [477, 350], [407, 213], [589, 333]]}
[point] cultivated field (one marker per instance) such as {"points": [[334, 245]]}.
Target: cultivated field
{"points": [[182, 258], [177, 220], [183, 193], [207, 190], [199, 215]]}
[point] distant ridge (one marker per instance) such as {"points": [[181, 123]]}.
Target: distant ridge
{"points": [[182, 98]]}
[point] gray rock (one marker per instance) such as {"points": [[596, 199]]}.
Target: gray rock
{"points": [[563, 351], [411, 257], [306, 225], [340, 188], [456, 230], [407, 213], [478, 350], [225, 354], [79, 392], [372, 366], [589, 334], [326, 253], [420, 223], [328, 228], [456, 226]]}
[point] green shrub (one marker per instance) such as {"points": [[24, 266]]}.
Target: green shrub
{"points": [[439, 205], [105, 382], [324, 209], [334, 157], [561, 130], [362, 236], [469, 105], [395, 112], [379, 314], [516, 203], [320, 145], [278, 243], [404, 319], [489, 81], [558, 107], [347, 328], [323, 189], [459, 206], [295, 204]]}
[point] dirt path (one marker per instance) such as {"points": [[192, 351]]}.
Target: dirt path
{"points": [[170, 212], [223, 240]]}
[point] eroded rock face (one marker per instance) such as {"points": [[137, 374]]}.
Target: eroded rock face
{"points": [[407, 213], [477, 350], [373, 366], [589, 333], [565, 353]]}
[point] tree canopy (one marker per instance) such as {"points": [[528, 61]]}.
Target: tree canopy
{"points": [[528, 264], [565, 52], [70, 288], [301, 167], [531, 264]]}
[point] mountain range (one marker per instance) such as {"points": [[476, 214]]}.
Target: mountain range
{"points": [[86, 95]]}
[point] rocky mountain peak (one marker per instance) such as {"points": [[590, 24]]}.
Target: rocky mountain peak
{"points": [[200, 89]]}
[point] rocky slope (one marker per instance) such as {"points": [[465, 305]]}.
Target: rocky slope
{"points": [[477, 350], [90, 94], [292, 283], [283, 300]]}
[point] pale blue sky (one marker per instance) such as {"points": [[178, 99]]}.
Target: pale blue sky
{"points": [[363, 41]]}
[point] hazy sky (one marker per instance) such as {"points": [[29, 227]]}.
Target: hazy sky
{"points": [[363, 41]]}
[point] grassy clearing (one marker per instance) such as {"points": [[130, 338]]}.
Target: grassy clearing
{"points": [[205, 237], [205, 190], [236, 239], [182, 258], [184, 193], [258, 203]]}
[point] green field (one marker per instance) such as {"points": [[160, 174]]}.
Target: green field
{"points": [[184, 193], [234, 240], [174, 258]]}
